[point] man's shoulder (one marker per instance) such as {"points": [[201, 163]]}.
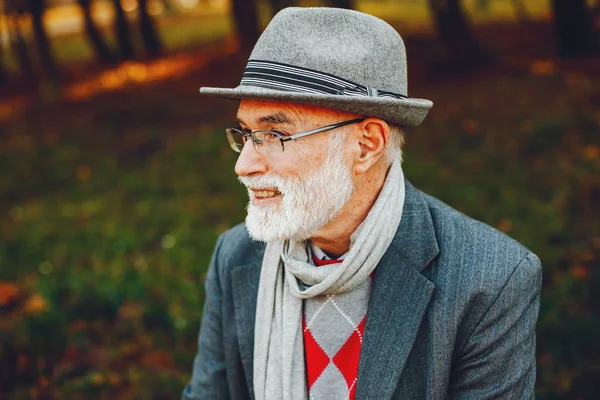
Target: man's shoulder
{"points": [[475, 244], [476, 262], [235, 247]]}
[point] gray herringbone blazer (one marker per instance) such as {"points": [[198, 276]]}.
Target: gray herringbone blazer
{"points": [[452, 313]]}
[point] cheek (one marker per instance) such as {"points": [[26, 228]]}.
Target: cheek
{"points": [[315, 151], [289, 165], [299, 159]]}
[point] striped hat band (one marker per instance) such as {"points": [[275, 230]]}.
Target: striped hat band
{"points": [[290, 78]]}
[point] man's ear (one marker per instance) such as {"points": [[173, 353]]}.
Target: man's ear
{"points": [[373, 139]]}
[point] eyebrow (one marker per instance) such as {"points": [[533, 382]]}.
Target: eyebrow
{"points": [[276, 118]]}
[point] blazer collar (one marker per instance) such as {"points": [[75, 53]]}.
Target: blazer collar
{"points": [[415, 238], [399, 300]]}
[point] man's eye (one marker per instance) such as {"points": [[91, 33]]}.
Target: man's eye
{"points": [[276, 134]]}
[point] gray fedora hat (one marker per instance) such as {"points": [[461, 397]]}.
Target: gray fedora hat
{"points": [[334, 58]]}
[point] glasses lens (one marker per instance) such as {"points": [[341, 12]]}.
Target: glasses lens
{"points": [[235, 137], [267, 142]]}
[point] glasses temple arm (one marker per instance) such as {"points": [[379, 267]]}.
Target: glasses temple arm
{"points": [[319, 130]]}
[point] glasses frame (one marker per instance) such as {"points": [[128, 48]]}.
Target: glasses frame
{"points": [[281, 137]]}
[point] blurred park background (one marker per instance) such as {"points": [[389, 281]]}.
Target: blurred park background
{"points": [[116, 179]]}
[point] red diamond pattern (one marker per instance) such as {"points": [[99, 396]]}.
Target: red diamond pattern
{"points": [[316, 359], [346, 359]]}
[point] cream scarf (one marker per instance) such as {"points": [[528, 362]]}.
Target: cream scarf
{"points": [[287, 277]]}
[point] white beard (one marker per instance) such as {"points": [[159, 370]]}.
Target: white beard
{"points": [[307, 204]]}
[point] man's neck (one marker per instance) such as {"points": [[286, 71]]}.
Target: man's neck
{"points": [[334, 238]]}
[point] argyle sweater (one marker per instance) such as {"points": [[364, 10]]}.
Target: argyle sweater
{"points": [[333, 327]]}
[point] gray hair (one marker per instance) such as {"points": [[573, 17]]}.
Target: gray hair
{"points": [[393, 151]]}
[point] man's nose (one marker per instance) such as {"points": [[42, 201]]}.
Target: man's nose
{"points": [[250, 161]]}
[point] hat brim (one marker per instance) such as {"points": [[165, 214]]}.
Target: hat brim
{"points": [[406, 112]]}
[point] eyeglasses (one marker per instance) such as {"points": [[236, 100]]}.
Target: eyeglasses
{"points": [[268, 142]]}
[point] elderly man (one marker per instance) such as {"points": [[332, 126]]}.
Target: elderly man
{"points": [[346, 281]]}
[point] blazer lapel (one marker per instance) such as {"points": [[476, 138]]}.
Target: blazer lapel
{"points": [[244, 281], [398, 302]]}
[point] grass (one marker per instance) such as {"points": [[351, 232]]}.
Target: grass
{"points": [[118, 245]]}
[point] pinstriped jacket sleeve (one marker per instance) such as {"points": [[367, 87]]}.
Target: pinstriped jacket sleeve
{"points": [[498, 360], [209, 380]]}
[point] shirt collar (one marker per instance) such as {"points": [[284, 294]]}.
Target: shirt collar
{"points": [[320, 254]]}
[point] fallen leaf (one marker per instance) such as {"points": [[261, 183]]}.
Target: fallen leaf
{"points": [[36, 304], [8, 294]]}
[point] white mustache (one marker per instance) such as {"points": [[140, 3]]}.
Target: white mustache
{"points": [[267, 182]]}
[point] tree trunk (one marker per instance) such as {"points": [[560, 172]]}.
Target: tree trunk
{"points": [[167, 6], [150, 38], [463, 51], [341, 3], [102, 51], [278, 5], [246, 21], [520, 10], [121, 29], [3, 72], [482, 5], [37, 8], [19, 48], [595, 10], [574, 29]]}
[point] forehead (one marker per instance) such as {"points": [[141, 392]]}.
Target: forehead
{"points": [[262, 111]]}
